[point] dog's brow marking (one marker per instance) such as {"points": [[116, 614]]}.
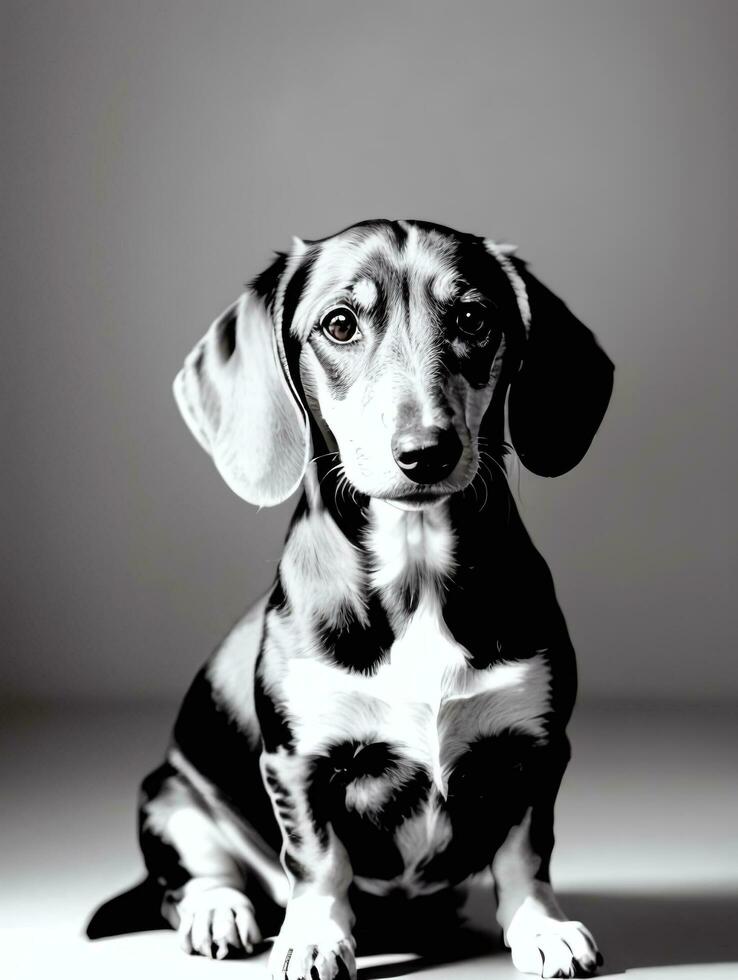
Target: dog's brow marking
{"points": [[337, 262], [444, 286], [365, 293]]}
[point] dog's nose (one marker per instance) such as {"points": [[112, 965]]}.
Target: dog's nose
{"points": [[426, 455]]}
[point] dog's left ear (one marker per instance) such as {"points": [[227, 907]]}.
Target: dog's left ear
{"points": [[236, 397], [559, 396]]}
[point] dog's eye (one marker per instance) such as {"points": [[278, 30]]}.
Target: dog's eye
{"points": [[471, 319], [340, 325]]}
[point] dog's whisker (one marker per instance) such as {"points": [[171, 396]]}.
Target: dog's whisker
{"points": [[476, 494], [501, 468], [474, 489], [344, 486], [338, 466], [353, 491], [486, 492], [485, 455], [323, 456], [340, 491], [336, 493], [333, 469], [488, 471]]}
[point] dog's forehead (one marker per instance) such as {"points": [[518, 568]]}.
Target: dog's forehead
{"points": [[383, 265], [364, 258]]}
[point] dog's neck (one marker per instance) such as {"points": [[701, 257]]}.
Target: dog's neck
{"points": [[361, 568]]}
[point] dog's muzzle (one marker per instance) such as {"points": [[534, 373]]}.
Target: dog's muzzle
{"points": [[426, 455]]}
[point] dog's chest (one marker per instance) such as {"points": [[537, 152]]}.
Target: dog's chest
{"points": [[424, 700], [425, 703], [402, 742]]}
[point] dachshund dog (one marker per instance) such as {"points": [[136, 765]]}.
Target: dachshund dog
{"points": [[391, 718]]}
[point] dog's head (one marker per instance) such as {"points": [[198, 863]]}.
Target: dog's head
{"points": [[392, 344]]}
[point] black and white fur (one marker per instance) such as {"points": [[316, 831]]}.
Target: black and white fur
{"points": [[391, 717]]}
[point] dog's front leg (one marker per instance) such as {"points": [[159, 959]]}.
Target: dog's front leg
{"points": [[316, 933], [542, 940]]}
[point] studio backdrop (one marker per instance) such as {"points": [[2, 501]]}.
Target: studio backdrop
{"points": [[160, 152]]}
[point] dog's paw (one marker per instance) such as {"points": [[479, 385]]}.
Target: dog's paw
{"points": [[295, 959], [321, 948], [217, 923], [299, 960], [550, 948]]}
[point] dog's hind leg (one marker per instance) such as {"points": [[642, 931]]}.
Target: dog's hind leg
{"points": [[542, 940], [207, 827], [214, 871]]}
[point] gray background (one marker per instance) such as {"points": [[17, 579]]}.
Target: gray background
{"points": [[156, 152]]}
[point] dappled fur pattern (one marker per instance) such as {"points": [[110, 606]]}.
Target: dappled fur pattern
{"points": [[390, 718]]}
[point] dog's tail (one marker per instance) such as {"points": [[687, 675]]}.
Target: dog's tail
{"points": [[135, 910]]}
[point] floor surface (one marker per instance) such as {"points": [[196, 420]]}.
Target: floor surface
{"points": [[646, 855]]}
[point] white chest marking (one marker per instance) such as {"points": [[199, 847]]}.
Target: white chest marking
{"points": [[405, 542], [425, 699]]}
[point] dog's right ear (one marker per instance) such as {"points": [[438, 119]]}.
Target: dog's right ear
{"points": [[234, 395]]}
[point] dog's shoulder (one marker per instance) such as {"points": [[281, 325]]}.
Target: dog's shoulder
{"points": [[230, 670], [217, 719]]}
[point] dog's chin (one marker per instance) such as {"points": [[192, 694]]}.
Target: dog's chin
{"points": [[411, 496], [416, 501], [421, 499]]}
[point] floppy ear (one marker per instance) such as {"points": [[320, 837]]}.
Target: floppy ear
{"points": [[234, 396], [559, 396]]}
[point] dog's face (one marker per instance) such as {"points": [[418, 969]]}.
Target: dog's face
{"points": [[390, 345], [403, 330]]}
